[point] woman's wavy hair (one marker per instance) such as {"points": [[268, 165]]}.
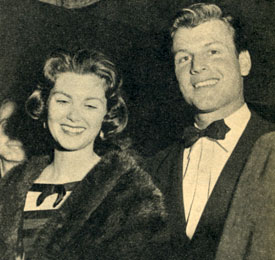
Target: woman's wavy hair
{"points": [[82, 62]]}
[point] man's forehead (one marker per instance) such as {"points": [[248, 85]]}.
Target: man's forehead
{"points": [[203, 34]]}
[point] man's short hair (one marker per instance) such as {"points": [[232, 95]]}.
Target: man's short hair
{"points": [[197, 14]]}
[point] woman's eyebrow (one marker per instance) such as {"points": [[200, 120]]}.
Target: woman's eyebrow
{"points": [[94, 98], [62, 93]]}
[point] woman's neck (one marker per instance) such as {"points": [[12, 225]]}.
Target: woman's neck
{"points": [[69, 166]]}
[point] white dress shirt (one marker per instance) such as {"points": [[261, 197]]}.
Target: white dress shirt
{"points": [[203, 163]]}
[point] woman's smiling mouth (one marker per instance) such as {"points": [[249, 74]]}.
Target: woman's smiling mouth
{"points": [[73, 130]]}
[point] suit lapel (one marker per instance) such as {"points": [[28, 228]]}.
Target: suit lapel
{"points": [[169, 180]]}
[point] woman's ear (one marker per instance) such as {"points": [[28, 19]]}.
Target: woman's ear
{"points": [[101, 135], [245, 63]]}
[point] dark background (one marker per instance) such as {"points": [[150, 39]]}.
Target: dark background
{"points": [[134, 33]]}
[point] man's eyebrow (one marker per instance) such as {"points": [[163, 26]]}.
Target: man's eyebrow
{"points": [[212, 43], [180, 51], [205, 45]]}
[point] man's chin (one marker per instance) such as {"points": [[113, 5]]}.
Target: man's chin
{"points": [[14, 158], [203, 110], [12, 153]]}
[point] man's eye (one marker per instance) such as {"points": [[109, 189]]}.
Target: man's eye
{"points": [[213, 52], [182, 59]]}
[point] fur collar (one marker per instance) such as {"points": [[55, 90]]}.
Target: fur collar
{"points": [[84, 200]]}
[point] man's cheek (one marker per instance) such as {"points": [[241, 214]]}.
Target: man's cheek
{"points": [[13, 153]]}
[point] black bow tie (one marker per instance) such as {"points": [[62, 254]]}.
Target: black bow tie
{"points": [[49, 189], [217, 130]]}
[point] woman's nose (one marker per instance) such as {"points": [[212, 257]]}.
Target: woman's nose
{"points": [[73, 114]]}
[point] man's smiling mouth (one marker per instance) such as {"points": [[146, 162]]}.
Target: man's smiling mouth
{"points": [[206, 83]]}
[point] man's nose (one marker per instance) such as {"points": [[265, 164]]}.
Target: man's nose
{"points": [[198, 64]]}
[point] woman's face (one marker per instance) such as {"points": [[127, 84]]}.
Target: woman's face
{"points": [[76, 109], [10, 150]]}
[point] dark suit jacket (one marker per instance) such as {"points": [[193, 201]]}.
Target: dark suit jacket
{"points": [[166, 170], [249, 231]]}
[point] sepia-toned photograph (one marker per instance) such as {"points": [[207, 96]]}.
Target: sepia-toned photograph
{"points": [[137, 130]]}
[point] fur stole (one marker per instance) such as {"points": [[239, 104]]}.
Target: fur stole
{"points": [[13, 189], [116, 212]]}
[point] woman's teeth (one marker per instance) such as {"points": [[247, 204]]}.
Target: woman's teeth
{"points": [[74, 130]]}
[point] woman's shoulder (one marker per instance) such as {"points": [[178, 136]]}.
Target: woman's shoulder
{"points": [[131, 178], [134, 205], [126, 163], [38, 161]]}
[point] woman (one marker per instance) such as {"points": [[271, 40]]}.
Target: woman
{"points": [[81, 202]]}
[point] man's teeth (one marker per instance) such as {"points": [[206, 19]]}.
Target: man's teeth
{"points": [[76, 130], [206, 83]]}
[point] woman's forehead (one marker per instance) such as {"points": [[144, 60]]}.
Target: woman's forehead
{"points": [[75, 79], [80, 85]]}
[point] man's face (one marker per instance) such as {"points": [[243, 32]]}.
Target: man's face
{"points": [[10, 150], [208, 69]]}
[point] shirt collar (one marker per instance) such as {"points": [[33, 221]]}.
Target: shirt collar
{"points": [[237, 123], [238, 119]]}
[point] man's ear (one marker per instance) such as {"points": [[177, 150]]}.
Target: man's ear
{"points": [[245, 62]]}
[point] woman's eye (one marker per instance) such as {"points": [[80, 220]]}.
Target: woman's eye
{"points": [[91, 106], [62, 101]]}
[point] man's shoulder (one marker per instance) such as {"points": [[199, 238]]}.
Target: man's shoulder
{"points": [[164, 154], [256, 117], [161, 165], [258, 126]]}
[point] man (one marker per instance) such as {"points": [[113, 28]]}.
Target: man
{"points": [[198, 176], [12, 154], [11, 150]]}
